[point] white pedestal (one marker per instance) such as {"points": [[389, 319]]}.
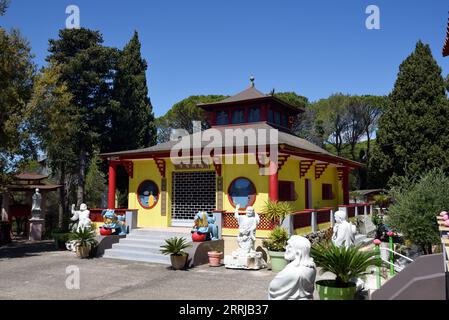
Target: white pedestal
{"points": [[251, 261], [36, 228]]}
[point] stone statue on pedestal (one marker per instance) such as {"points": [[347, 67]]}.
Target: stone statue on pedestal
{"points": [[297, 280], [36, 206], [246, 257], [344, 231]]}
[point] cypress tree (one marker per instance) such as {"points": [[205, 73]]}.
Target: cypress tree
{"points": [[132, 119], [413, 134]]}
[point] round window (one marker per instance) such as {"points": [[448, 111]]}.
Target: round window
{"points": [[148, 194], [242, 192]]}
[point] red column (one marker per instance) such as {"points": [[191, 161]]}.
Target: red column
{"points": [[273, 188], [111, 188], [345, 185]]}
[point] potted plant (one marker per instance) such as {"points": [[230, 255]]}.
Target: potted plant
{"points": [[346, 264], [277, 211], [215, 258], [84, 241], [175, 248], [275, 244]]}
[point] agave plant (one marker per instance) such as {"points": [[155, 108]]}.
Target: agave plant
{"points": [[276, 211], [277, 240], [345, 263], [175, 246], [83, 237]]}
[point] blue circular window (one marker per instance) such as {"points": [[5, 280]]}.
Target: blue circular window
{"points": [[242, 192], [148, 194]]}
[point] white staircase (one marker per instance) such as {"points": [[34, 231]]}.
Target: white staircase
{"points": [[144, 245]]}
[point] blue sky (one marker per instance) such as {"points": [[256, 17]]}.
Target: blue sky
{"points": [[314, 48]]}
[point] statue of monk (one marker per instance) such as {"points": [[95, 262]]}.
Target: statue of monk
{"points": [[247, 229], [297, 280], [344, 231]]}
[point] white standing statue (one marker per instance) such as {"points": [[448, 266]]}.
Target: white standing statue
{"points": [[246, 257], [297, 280], [344, 231], [82, 216], [36, 205]]}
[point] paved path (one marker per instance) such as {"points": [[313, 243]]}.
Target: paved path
{"points": [[36, 271]]}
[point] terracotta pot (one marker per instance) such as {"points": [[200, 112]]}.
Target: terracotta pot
{"points": [[178, 262], [82, 252], [215, 258]]}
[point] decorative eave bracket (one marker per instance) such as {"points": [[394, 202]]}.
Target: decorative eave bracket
{"points": [[160, 163], [340, 174], [129, 167], [304, 167], [319, 169], [217, 165]]}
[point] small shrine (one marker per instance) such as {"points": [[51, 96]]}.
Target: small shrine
{"points": [[25, 200]]}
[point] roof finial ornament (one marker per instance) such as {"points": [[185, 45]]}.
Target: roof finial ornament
{"points": [[252, 81]]}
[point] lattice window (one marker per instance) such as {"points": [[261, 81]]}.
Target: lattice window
{"points": [[230, 222]]}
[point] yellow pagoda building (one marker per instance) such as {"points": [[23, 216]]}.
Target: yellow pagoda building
{"points": [[170, 182]]}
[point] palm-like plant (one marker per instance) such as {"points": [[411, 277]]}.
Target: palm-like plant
{"points": [[83, 237], [345, 263], [276, 211], [175, 246]]}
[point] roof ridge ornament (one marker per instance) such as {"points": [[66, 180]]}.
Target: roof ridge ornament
{"points": [[252, 78]]}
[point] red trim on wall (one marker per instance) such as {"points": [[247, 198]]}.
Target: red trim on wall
{"points": [[250, 204]]}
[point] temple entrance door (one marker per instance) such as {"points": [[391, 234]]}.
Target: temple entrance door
{"points": [[308, 194], [192, 192]]}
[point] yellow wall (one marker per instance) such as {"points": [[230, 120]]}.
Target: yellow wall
{"points": [[290, 172], [147, 170]]}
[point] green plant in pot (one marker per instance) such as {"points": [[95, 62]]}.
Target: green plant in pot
{"points": [[347, 264], [275, 244], [277, 211], [84, 241], [175, 248]]}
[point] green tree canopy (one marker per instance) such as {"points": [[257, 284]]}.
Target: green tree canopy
{"points": [[16, 82], [416, 205], [132, 119], [87, 68], [413, 134], [181, 115], [3, 6]]}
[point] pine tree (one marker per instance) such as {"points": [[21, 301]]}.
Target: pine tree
{"points": [[413, 134], [132, 119], [86, 68]]}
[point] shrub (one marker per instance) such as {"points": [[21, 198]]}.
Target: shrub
{"points": [[277, 240], [276, 211], [344, 263], [84, 237], [175, 246], [416, 206]]}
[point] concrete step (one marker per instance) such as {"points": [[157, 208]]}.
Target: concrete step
{"points": [[144, 245], [160, 237], [142, 241], [136, 256], [137, 248]]}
